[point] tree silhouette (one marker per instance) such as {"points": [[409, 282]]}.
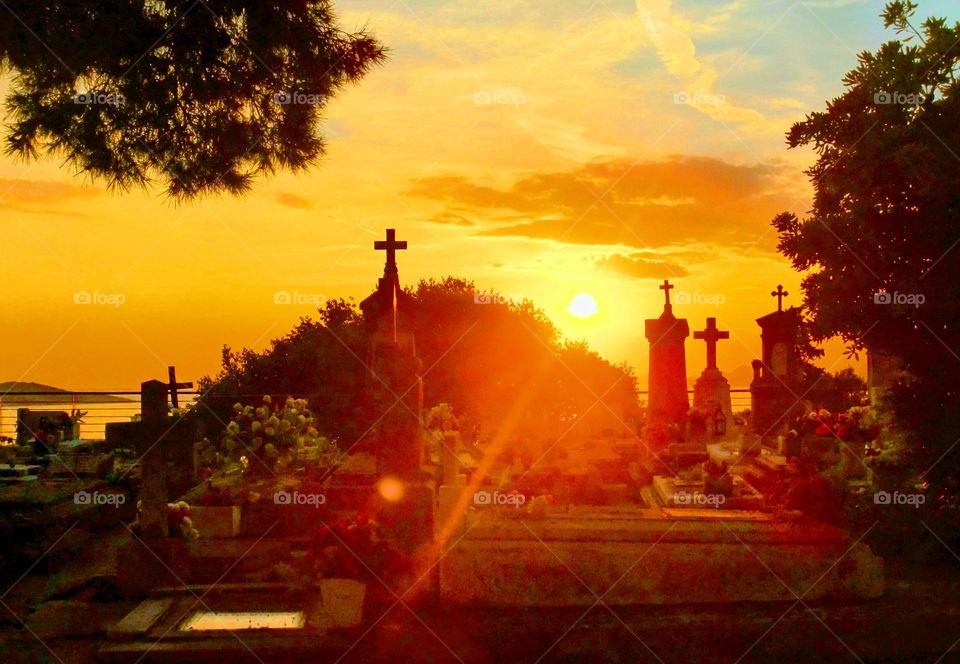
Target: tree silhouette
{"points": [[202, 95], [884, 226], [492, 363]]}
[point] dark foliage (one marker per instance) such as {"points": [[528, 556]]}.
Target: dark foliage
{"points": [[879, 248], [501, 367], [203, 95]]}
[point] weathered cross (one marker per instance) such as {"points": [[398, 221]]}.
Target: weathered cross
{"points": [[779, 294], [391, 245], [666, 287], [174, 387], [711, 335]]}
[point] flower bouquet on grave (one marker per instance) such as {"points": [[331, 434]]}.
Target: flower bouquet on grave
{"points": [[697, 425], [179, 522], [273, 438], [717, 479], [346, 556]]}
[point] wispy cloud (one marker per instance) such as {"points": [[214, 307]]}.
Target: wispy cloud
{"points": [[641, 266], [294, 201], [671, 37]]}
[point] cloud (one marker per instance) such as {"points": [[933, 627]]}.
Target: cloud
{"points": [[678, 200], [670, 35], [450, 218], [294, 201], [13, 191], [641, 266]]}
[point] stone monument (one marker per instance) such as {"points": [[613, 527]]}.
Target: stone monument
{"points": [[152, 558], [395, 384], [667, 398], [405, 492], [774, 399], [712, 390]]}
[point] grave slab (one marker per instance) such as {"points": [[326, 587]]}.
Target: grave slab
{"points": [[564, 561]]}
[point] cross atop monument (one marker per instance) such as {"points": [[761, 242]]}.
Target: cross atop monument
{"points": [[391, 245], [711, 335], [666, 287], [779, 294]]}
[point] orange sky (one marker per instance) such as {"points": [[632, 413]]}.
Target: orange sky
{"points": [[542, 149]]}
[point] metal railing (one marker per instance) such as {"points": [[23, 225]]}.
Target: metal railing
{"points": [[99, 408], [124, 405]]}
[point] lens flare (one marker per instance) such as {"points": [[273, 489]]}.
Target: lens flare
{"points": [[390, 489]]}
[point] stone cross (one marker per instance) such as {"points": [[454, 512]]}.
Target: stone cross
{"points": [[711, 335], [666, 287], [779, 294], [174, 386], [391, 245]]}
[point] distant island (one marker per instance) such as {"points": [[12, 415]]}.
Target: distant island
{"points": [[13, 393]]}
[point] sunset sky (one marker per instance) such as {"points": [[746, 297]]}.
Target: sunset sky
{"points": [[543, 149]]}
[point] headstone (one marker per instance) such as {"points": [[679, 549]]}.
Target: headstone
{"points": [[394, 398], [774, 389], [667, 398], [152, 558], [711, 392], [395, 386], [153, 486], [44, 428]]}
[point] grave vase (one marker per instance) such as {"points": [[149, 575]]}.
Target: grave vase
{"points": [[343, 601]]}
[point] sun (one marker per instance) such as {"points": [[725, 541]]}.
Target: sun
{"points": [[583, 306]]}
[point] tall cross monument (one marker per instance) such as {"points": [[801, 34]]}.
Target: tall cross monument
{"points": [[391, 245], [394, 399], [667, 399], [711, 391]]}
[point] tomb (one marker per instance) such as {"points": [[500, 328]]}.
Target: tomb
{"points": [[774, 394], [711, 392]]}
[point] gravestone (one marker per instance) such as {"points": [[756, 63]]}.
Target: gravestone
{"points": [[43, 428], [712, 390], [394, 398], [152, 558], [395, 387], [774, 390], [667, 397]]}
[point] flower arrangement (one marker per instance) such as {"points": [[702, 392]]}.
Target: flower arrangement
{"points": [[660, 432], [858, 424], [179, 522], [355, 549], [270, 438], [697, 422]]}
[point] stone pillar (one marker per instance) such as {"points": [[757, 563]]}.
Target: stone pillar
{"points": [[152, 558], [153, 484], [667, 398]]}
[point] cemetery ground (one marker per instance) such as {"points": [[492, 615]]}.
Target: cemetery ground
{"points": [[236, 530], [67, 602]]}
